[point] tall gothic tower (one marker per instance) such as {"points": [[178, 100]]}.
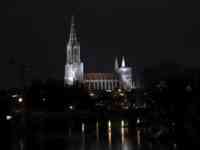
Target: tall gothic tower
{"points": [[74, 68], [125, 75]]}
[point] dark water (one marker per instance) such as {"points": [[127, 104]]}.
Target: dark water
{"points": [[110, 135], [87, 134]]}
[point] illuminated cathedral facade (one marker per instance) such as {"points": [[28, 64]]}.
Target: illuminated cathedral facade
{"points": [[74, 68], [120, 78]]}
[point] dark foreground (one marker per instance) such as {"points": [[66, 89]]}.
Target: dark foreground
{"points": [[44, 131]]}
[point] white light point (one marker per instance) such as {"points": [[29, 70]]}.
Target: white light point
{"points": [[138, 120], [92, 94], [83, 127], [121, 94], [20, 100], [71, 107], [122, 123], [8, 117], [109, 124], [43, 99], [14, 96]]}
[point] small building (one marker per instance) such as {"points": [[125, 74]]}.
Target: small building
{"points": [[101, 81]]}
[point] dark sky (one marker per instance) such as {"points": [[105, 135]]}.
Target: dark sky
{"points": [[144, 31]]}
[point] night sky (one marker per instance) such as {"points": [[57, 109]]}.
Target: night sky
{"points": [[144, 31]]}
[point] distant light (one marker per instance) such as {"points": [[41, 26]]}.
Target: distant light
{"points": [[21, 144], [71, 107], [109, 124], [9, 117], [122, 123], [83, 127], [138, 120], [188, 88], [20, 100], [119, 90], [15, 95], [43, 99], [121, 94], [92, 94], [175, 145], [126, 107], [145, 105], [97, 124], [109, 91], [97, 130], [138, 137]]}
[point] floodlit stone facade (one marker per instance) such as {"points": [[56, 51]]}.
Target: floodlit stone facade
{"points": [[121, 77]]}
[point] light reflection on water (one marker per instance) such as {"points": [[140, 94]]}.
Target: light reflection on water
{"points": [[109, 135], [105, 135], [21, 144], [83, 127], [119, 139], [97, 132], [138, 137]]}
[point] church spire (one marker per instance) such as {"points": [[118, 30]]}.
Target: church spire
{"points": [[73, 67], [73, 46], [116, 64], [72, 37], [123, 62]]}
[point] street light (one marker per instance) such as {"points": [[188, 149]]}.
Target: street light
{"points": [[138, 120], [20, 100], [43, 99], [14, 96], [8, 117], [122, 123]]}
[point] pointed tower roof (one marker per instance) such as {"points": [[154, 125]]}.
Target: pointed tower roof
{"points": [[123, 62], [73, 37], [116, 64]]}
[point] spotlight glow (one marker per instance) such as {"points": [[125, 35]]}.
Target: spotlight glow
{"points": [[9, 117], [83, 127], [20, 100], [122, 123], [109, 124]]}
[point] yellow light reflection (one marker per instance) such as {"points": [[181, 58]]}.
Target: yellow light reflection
{"points": [[21, 144], [109, 124], [124, 133], [122, 123], [83, 127], [83, 135], [138, 137], [97, 131], [109, 134]]}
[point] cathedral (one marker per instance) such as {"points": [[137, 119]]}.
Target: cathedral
{"points": [[120, 78], [74, 68]]}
